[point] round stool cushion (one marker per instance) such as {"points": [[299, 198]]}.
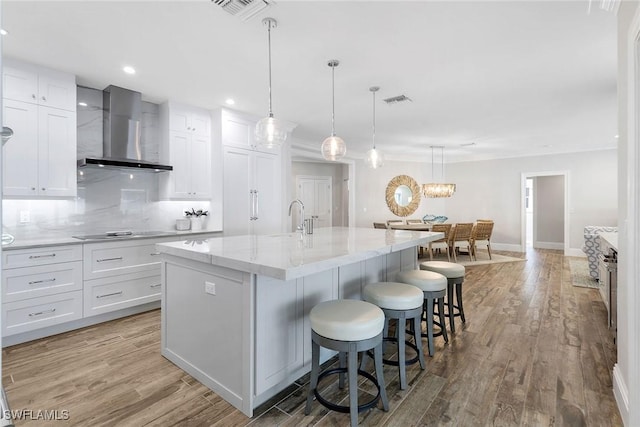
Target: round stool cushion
{"points": [[393, 296], [347, 320], [426, 281], [450, 270]]}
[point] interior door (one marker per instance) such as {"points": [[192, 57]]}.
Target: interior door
{"points": [[316, 194]]}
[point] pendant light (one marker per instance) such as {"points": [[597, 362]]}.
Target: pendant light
{"points": [[374, 158], [434, 189], [333, 148], [270, 132]]}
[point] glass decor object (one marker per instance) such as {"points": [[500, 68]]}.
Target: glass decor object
{"points": [[374, 159], [333, 148], [437, 189], [270, 131]]}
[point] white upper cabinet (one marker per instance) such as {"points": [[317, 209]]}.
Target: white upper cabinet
{"points": [[38, 85], [39, 106], [190, 120], [239, 131], [186, 147]]}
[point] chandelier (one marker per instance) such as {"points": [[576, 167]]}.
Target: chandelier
{"points": [[436, 189]]}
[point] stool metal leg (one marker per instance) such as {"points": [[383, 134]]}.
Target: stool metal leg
{"points": [[417, 336], [450, 291], [353, 386], [459, 301], [430, 325], [315, 368], [400, 336], [441, 314], [342, 364], [377, 358]]}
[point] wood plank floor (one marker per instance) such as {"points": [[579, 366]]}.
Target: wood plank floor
{"points": [[534, 351]]}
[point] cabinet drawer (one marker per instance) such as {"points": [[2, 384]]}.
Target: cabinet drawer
{"points": [[122, 258], [40, 256], [38, 281], [115, 293], [34, 313]]}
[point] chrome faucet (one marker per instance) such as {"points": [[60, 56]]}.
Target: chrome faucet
{"points": [[301, 228]]}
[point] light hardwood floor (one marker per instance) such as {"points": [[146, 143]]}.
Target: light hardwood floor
{"points": [[534, 351]]}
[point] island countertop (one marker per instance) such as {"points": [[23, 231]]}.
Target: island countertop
{"points": [[290, 255]]}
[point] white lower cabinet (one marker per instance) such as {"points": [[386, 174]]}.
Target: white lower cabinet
{"points": [[34, 313], [114, 293]]}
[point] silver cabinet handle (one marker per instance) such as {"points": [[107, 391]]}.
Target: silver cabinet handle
{"points": [[39, 313], [252, 214], [35, 282], [155, 286], [43, 189], [154, 253], [44, 98], [33, 96], [33, 188], [109, 259], [109, 295], [257, 208], [41, 256]]}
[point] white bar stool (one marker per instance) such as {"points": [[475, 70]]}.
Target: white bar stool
{"points": [[401, 302], [455, 276], [434, 288], [349, 327]]}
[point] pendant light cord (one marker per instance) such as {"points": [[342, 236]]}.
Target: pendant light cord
{"points": [[269, 38], [374, 119], [333, 100]]}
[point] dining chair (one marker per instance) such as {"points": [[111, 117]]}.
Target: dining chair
{"points": [[441, 243], [414, 221], [379, 225], [481, 235], [394, 221], [461, 238]]}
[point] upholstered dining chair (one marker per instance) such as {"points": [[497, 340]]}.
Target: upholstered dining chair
{"points": [[481, 235], [442, 243], [394, 221], [380, 225], [461, 238]]}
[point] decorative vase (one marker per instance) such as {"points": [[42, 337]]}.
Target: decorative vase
{"points": [[196, 223]]}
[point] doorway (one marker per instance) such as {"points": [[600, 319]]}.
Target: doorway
{"points": [[316, 194], [545, 210]]}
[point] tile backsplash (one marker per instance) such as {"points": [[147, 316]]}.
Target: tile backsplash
{"points": [[107, 199]]}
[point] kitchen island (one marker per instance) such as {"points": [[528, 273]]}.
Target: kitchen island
{"points": [[235, 309]]}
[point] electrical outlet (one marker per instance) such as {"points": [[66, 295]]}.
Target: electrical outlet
{"points": [[25, 216], [210, 288]]}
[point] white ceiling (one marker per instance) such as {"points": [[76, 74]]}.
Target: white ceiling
{"points": [[514, 77]]}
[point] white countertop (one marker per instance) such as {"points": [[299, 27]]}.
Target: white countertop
{"points": [[611, 238], [59, 239], [290, 255]]}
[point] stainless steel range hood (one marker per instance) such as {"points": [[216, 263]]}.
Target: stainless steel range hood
{"points": [[121, 142]]}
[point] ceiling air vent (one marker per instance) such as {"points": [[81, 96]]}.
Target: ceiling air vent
{"points": [[243, 9], [396, 99]]}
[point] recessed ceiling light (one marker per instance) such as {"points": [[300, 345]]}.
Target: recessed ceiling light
{"points": [[229, 101], [82, 104], [129, 70], [3, 32]]}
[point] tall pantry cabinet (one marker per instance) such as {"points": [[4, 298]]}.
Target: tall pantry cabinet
{"points": [[252, 179], [39, 105]]}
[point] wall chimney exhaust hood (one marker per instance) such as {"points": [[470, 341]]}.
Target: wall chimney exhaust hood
{"points": [[121, 133]]}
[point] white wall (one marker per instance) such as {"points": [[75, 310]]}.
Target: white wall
{"points": [[548, 205], [492, 189], [371, 184]]}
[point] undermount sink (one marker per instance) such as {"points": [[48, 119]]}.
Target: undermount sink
{"points": [[126, 234]]}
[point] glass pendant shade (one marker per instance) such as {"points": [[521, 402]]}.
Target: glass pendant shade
{"points": [[435, 190], [374, 159], [333, 148], [270, 133]]}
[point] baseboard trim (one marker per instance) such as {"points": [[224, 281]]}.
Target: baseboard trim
{"points": [[548, 245], [621, 394]]}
